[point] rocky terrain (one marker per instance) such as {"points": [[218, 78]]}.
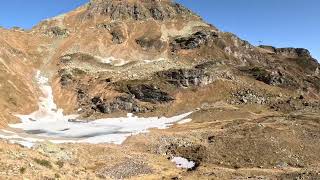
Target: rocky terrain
{"points": [[256, 110]]}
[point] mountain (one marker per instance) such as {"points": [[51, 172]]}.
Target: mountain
{"points": [[255, 109]]}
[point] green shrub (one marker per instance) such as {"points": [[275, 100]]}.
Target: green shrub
{"points": [[43, 162], [22, 170], [60, 164]]}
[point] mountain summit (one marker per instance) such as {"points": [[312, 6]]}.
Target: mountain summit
{"points": [[250, 106], [137, 10]]}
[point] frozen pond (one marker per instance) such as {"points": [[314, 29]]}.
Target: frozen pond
{"points": [[49, 123]]}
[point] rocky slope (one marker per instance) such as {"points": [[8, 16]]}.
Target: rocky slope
{"points": [[258, 107]]}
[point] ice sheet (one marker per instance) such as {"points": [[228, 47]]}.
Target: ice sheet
{"points": [[49, 123]]}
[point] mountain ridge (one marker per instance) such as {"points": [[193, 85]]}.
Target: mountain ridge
{"points": [[102, 35], [255, 109]]}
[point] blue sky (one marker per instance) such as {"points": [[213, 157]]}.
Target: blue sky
{"points": [[281, 23]]}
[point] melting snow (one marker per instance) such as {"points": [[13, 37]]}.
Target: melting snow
{"points": [[155, 60], [183, 163], [184, 121], [121, 62], [49, 123], [112, 61]]}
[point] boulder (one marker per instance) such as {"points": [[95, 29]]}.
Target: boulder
{"points": [[57, 31], [275, 77], [288, 52], [118, 37], [249, 96], [194, 41], [149, 93], [150, 43], [117, 31], [65, 77], [122, 103], [186, 77], [294, 52]]}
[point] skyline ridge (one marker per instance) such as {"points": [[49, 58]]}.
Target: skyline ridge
{"points": [[276, 34]]}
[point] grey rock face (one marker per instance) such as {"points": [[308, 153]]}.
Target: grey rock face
{"points": [[153, 44], [185, 77], [57, 31], [126, 103], [100, 106], [275, 77], [289, 52], [157, 13], [121, 103], [269, 48], [117, 37], [65, 77], [294, 52], [248, 96], [137, 12], [123, 10], [149, 93], [194, 41], [317, 72], [129, 102], [117, 32]]}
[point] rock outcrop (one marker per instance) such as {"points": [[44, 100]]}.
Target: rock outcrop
{"points": [[57, 31], [194, 41], [272, 77], [151, 43], [186, 77], [149, 93], [137, 10], [121, 103], [288, 52]]}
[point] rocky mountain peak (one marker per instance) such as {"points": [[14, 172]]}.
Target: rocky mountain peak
{"points": [[289, 52], [253, 110], [137, 9]]}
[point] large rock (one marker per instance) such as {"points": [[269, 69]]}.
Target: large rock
{"points": [[57, 31], [149, 93], [65, 77], [150, 43], [273, 77], [288, 52], [265, 76], [121, 103], [137, 10], [186, 77], [117, 37], [194, 41], [117, 31]]}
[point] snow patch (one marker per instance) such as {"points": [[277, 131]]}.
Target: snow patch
{"points": [[22, 143], [121, 62], [184, 121], [183, 163], [49, 123], [153, 61], [112, 61]]}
